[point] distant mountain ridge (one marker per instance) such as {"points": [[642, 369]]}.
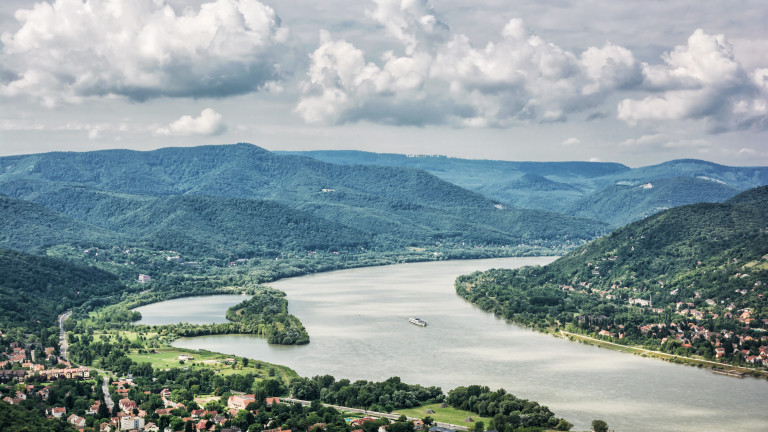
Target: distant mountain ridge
{"points": [[595, 190], [251, 199]]}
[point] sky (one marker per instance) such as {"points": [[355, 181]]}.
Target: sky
{"points": [[635, 82]]}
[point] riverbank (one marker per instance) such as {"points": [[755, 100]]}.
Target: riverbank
{"points": [[736, 371]]}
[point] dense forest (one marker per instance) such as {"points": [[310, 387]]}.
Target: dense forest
{"points": [[35, 289], [689, 281]]}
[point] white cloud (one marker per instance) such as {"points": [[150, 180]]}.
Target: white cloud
{"points": [[209, 123], [702, 81], [571, 142], [68, 50], [444, 78]]}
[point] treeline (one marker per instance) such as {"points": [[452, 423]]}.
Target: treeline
{"points": [[508, 412], [383, 396]]}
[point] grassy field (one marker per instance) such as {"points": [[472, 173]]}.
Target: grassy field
{"points": [[168, 358], [445, 415]]}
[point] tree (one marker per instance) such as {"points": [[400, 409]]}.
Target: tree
{"points": [[599, 426], [479, 426], [245, 362]]}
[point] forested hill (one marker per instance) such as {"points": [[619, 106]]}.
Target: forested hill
{"points": [[609, 192], [682, 275], [33, 227], [35, 289], [245, 194]]}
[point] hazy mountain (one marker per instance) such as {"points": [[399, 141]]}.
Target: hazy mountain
{"points": [[602, 191], [621, 204]]}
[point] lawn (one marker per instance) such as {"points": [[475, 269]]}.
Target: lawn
{"points": [[166, 358], [445, 415]]}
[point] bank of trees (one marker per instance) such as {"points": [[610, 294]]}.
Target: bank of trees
{"points": [[508, 412], [381, 396]]}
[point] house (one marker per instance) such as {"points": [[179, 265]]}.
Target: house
{"points": [[105, 427], [360, 421], [127, 406], [440, 429], [56, 412], [151, 427], [162, 411], [131, 422], [201, 425], [185, 357], [144, 278], [318, 426], [76, 420], [239, 402], [382, 428], [272, 401], [94, 409], [418, 425], [196, 414]]}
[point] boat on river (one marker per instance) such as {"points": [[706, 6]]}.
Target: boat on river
{"points": [[417, 321]]}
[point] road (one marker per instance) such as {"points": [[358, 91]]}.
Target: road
{"points": [[63, 335], [107, 397], [375, 414]]}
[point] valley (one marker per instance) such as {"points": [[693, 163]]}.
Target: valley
{"points": [[104, 233]]}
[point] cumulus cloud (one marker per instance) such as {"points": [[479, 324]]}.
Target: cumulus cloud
{"points": [[441, 77], [71, 49], [702, 81], [209, 123]]}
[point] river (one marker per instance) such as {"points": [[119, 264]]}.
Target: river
{"points": [[358, 323]]}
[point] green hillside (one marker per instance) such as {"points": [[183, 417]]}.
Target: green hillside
{"points": [[679, 281], [595, 190], [621, 204], [31, 227], [35, 289], [270, 201]]}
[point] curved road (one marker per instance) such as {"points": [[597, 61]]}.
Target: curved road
{"points": [[63, 335]]}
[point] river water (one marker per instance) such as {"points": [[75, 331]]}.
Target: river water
{"points": [[358, 325]]}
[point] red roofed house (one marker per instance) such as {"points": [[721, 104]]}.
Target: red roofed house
{"points": [[360, 421], [76, 420], [127, 405], [57, 412], [272, 401], [240, 401]]}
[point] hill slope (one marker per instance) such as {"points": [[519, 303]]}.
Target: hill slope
{"points": [[386, 205], [35, 289], [575, 187], [683, 275]]}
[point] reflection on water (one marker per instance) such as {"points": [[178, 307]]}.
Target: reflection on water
{"points": [[359, 329]]}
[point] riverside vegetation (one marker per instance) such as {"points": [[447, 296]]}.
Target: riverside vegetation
{"points": [[79, 227], [689, 281]]}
